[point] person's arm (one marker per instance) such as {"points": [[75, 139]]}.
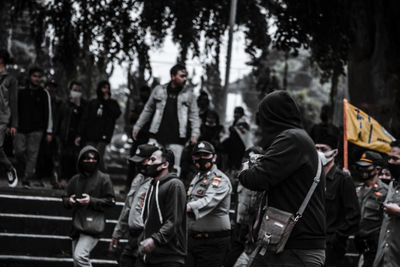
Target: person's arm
{"points": [[392, 209], [351, 208], [49, 111], [280, 160], [121, 227], [13, 96], [107, 199], [194, 119], [215, 193], [147, 112], [173, 215]]}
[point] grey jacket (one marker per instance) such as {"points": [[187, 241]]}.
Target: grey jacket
{"points": [[389, 243], [8, 99], [131, 214], [209, 196], [187, 111]]}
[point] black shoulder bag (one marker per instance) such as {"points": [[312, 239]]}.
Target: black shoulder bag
{"points": [[277, 225]]}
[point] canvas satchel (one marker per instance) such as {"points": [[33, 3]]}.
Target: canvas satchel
{"points": [[277, 225]]}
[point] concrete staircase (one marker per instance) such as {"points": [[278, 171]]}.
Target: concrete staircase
{"points": [[35, 227]]}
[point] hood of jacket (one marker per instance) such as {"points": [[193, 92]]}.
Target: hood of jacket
{"points": [[277, 112], [82, 152]]}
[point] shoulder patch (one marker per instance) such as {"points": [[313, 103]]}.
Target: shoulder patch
{"points": [[216, 181]]}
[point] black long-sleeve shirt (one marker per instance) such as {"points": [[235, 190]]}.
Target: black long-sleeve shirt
{"points": [[286, 173], [342, 208]]}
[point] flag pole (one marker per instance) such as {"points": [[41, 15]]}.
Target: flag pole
{"points": [[345, 151]]}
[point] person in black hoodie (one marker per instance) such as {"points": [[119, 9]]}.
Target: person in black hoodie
{"points": [[88, 193], [286, 172], [164, 239], [98, 121]]}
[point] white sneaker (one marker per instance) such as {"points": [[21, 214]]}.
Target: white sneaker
{"points": [[12, 177]]}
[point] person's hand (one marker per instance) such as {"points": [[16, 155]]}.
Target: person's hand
{"points": [[113, 244], [346, 171], [72, 200], [392, 209], [85, 200], [49, 137], [77, 141], [135, 134], [12, 131], [188, 208], [193, 140], [147, 245]]}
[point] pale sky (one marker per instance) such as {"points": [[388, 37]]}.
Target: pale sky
{"points": [[163, 59]]}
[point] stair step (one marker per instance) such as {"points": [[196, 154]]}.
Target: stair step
{"points": [[42, 224], [34, 261], [47, 245], [45, 206]]}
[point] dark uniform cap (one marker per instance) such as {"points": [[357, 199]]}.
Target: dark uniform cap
{"points": [[369, 158], [203, 147], [143, 152]]}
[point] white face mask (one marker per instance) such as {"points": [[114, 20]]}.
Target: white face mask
{"points": [[76, 94], [327, 156]]}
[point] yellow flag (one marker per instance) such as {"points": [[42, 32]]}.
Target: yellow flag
{"points": [[363, 130]]}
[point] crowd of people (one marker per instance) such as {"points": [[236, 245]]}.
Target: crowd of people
{"points": [[293, 204]]}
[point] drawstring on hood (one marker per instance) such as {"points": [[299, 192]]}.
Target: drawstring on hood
{"points": [[147, 206], [277, 112]]}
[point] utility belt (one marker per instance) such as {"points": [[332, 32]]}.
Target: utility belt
{"points": [[210, 235]]}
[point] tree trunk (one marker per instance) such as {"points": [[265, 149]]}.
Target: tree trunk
{"points": [[374, 62]]}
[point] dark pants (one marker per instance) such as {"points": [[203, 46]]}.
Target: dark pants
{"points": [[68, 160], [207, 252], [3, 157], [335, 251], [47, 159], [140, 263], [129, 253], [26, 147], [291, 258]]}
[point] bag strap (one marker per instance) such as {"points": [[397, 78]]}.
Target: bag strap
{"points": [[303, 206]]}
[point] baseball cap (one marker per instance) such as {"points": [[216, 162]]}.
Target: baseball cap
{"points": [[143, 152], [369, 158], [203, 147]]}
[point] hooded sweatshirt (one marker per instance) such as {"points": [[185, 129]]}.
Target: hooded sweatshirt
{"points": [[287, 169], [97, 185], [98, 120], [164, 216]]}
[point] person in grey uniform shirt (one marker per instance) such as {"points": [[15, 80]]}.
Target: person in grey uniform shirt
{"points": [[388, 254], [130, 220], [208, 210]]}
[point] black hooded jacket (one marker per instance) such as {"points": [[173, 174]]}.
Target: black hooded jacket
{"points": [[98, 186], [287, 169], [164, 216], [98, 120]]}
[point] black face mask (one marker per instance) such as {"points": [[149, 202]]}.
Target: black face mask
{"points": [[203, 164], [386, 181], [141, 168], [151, 170], [89, 167], [394, 171]]}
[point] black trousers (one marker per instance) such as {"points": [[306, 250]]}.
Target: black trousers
{"points": [[207, 252], [291, 258], [129, 254], [140, 263]]}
